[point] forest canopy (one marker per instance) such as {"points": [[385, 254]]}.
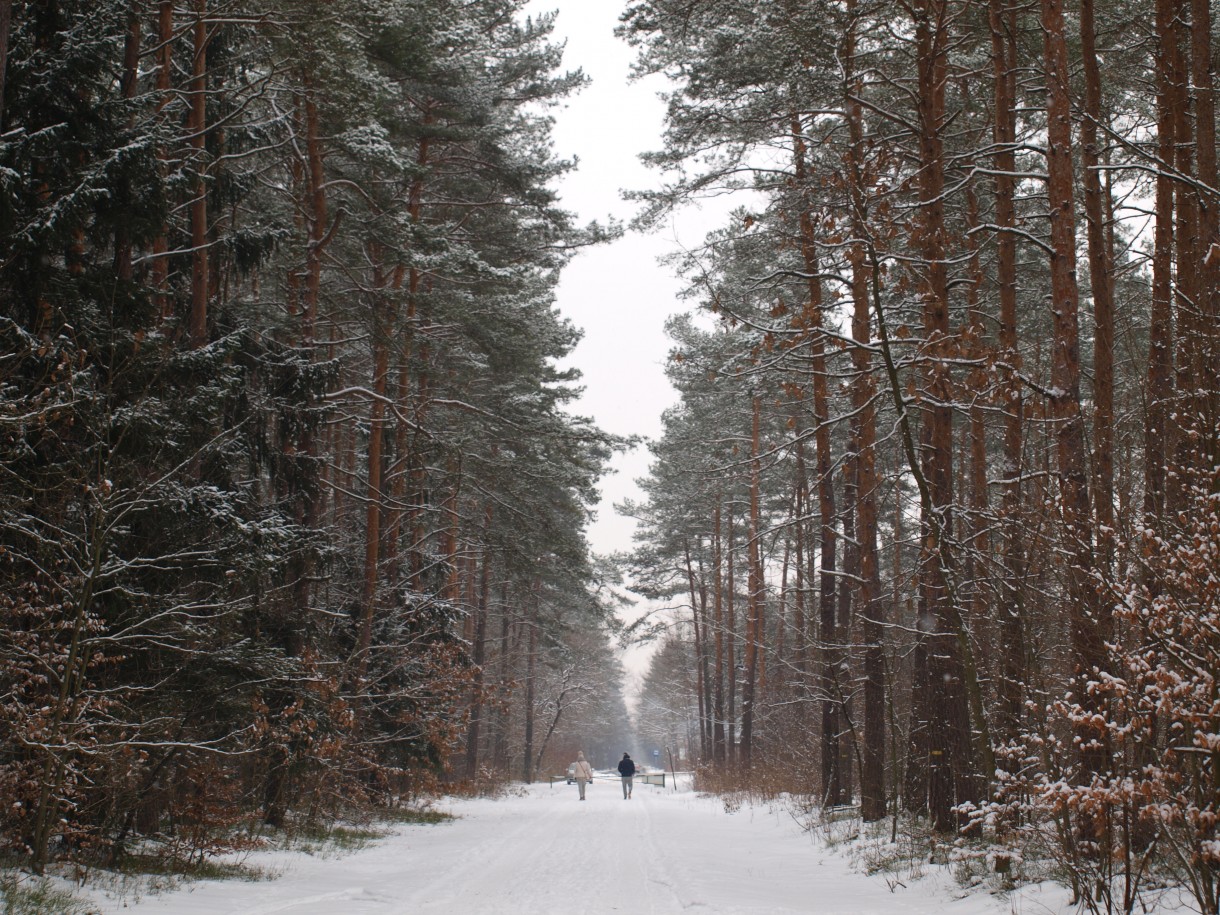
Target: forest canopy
{"points": [[940, 489], [292, 493]]}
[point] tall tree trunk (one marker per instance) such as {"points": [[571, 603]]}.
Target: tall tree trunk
{"points": [[731, 648], [755, 633], [973, 335], [160, 261], [1207, 401], [800, 624], [1013, 675], [1101, 282], [401, 469], [308, 499], [129, 85], [318, 221], [782, 622], [978, 592], [500, 741], [531, 624], [479, 657], [451, 538], [917, 786], [1085, 609], [300, 448], [952, 766], [846, 584], [416, 514], [699, 670], [383, 325], [704, 622], [823, 469], [6, 18], [197, 129], [1160, 330], [864, 389], [718, 752], [1186, 241], [220, 218]]}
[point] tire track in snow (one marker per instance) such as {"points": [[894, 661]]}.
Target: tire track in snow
{"points": [[542, 852], [595, 857]]}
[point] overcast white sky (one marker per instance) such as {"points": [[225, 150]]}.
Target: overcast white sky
{"points": [[616, 293]]}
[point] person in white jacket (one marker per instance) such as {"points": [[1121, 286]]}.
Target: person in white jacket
{"points": [[583, 773]]}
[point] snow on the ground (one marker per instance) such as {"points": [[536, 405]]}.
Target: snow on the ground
{"points": [[543, 851]]}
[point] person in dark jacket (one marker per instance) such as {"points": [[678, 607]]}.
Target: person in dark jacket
{"points": [[626, 768]]}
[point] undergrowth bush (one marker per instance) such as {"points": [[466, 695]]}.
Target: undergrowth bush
{"points": [[761, 784], [25, 894]]}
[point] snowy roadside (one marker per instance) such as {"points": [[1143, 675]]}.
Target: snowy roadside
{"points": [[541, 851]]}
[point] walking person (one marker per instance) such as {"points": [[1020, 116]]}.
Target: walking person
{"points": [[582, 772], [626, 768]]}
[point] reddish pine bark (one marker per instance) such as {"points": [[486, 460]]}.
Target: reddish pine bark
{"points": [[499, 753], [952, 767], [1160, 342], [704, 656], [6, 18], [399, 473], [718, 750], [479, 655], [1013, 674], [730, 647], [1190, 370], [1085, 611], [699, 681], [451, 538], [319, 219], [800, 633], [128, 86], [1207, 401], [755, 622], [843, 679], [415, 514], [1101, 281], [197, 131], [864, 389], [160, 261], [309, 507], [783, 621], [1186, 242], [824, 471], [531, 624], [973, 335], [383, 324]]}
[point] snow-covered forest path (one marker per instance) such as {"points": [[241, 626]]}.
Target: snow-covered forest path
{"points": [[543, 852]]}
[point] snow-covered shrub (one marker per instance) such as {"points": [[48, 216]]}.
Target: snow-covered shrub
{"points": [[1151, 819]]}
